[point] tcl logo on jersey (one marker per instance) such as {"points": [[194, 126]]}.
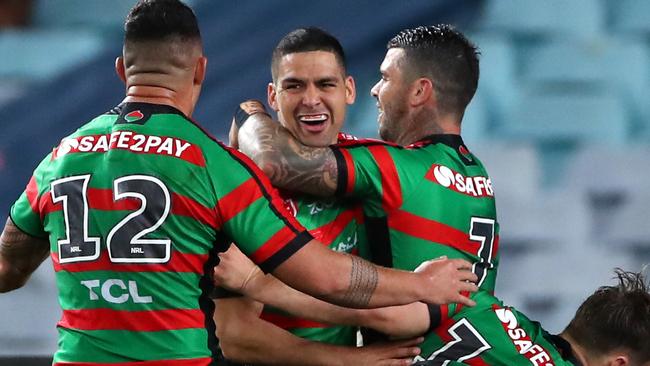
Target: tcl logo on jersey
{"points": [[522, 342], [115, 291], [478, 186]]}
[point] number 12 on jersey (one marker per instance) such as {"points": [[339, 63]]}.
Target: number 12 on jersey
{"points": [[125, 242]]}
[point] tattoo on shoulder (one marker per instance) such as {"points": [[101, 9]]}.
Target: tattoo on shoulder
{"points": [[363, 282], [294, 166]]}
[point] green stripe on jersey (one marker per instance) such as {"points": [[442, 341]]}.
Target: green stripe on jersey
{"points": [[168, 290], [101, 345]]}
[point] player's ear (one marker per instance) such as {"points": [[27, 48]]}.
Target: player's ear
{"points": [[271, 96], [199, 71], [350, 90], [421, 91], [619, 360], [119, 69]]}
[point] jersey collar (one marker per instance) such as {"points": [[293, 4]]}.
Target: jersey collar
{"points": [[565, 349]]}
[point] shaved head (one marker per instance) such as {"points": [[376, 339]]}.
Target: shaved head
{"points": [[161, 37]]}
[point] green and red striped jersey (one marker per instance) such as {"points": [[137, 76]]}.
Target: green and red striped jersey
{"points": [[135, 205], [491, 334], [430, 199], [338, 224]]}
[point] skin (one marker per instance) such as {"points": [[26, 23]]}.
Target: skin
{"points": [[408, 112], [310, 85]]}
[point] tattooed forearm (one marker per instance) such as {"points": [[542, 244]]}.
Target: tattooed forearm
{"points": [[363, 282], [286, 161], [20, 255]]}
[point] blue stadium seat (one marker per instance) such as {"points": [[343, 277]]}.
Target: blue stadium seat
{"points": [[566, 116], [103, 16], [42, 54], [576, 18], [629, 230], [30, 316], [498, 80], [476, 125], [631, 16], [608, 178], [617, 63], [514, 168]]}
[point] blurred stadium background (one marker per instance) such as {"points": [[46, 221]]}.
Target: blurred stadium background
{"points": [[561, 119]]}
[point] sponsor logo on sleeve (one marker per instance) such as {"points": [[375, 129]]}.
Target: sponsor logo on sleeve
{"points": [[477, 186]]}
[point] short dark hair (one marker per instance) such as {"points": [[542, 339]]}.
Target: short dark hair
{"points": [[615, 317], [306, 40], [444, 55], [155, 20]]}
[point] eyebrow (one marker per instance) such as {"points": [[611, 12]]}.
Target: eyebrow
{"points": [[318, 81]]}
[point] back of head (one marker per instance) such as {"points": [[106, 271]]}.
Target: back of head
{"points": [[616, 318], [160, 31], [306, 40], [446, 57]]}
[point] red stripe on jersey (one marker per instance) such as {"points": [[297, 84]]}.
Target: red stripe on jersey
{"points": [[183, 362], [431, 230], [273, 245], [349, 166], [102, 199], [328, 232], [442, 330], [476, 361], [185, 206], [289, 322], [46, 205], [390, 184], [178, 262], [31, 191], [238, 199], [135, 321]]}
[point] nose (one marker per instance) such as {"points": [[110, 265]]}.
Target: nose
{"points": [[311, 97], [375, 89]]}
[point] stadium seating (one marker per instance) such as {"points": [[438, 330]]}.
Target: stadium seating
{"points": [[38, 55], [30, 316], [561, 120], [631, 16], [532, 18], [582, 116], [615, 63]]}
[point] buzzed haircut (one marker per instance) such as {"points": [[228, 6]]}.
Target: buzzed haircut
{"points": [[306, 40], [157, 20], [445, 56], [616, 317]]}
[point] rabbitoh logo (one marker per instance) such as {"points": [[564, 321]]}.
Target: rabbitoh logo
{"points": [[134, 116]]}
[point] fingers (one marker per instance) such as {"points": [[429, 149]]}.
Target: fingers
{"points": [[468, 287], [461, 299], [461, 264]]}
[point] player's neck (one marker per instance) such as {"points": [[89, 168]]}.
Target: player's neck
{"points": [[578, 351], [156, 95], [427, 125]]}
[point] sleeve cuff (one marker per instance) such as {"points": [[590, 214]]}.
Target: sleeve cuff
{"points": [[287, 251]]}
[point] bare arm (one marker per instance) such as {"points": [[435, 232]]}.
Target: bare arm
{"points": [[20, 255], [352, 282], [288, 163], [246, 338], [399, 321]]}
